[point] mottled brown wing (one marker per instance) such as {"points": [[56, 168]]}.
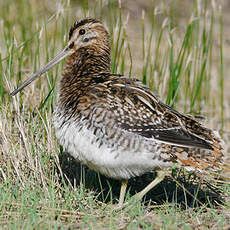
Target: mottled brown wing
{"points": [[137, 110]]}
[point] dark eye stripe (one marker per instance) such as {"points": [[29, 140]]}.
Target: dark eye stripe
{"points": [[71, 45]]}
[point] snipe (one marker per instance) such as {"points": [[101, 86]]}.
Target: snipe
{"points": [[116, 125]]}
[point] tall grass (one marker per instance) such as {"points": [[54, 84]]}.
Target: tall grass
{"points": [[221, 70], [186, 66], [42, 187]]}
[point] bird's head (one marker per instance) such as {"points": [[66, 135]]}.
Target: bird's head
{"points": [[88, 35]]}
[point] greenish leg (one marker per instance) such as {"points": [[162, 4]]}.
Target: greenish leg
{"points": [[160, 176], [122, 192]]}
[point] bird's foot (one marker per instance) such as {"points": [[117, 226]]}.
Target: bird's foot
{"points": [[134, 199]]}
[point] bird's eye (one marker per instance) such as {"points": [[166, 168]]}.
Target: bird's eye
{"points": [[82, 31]]}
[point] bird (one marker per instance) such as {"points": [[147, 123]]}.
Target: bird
{"points": [[116, 125]]}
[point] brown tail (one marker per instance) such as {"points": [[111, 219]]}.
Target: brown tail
{"points": [[204, 160]]}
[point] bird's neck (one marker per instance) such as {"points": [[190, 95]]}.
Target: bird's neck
{"points": [[86, 63], [81, 70]]}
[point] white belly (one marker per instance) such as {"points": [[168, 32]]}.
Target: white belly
{"points": [[112, 161]]}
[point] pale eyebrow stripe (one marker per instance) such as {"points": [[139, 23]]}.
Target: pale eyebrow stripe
{"points": [[94, 24], [89, 26]]}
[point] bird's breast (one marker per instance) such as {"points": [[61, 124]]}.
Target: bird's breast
{"points": [[105, 148]]}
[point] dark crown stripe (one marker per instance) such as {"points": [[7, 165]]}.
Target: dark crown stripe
{"points": [[81, 23]]}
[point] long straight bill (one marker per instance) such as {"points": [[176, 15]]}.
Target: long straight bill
{"points": [[52, 63]]}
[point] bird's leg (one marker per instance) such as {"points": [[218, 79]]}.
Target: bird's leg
{"points": [[122, 192], [160, 176]]}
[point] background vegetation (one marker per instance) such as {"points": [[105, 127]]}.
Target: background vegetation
{"points": [[179, 48]]}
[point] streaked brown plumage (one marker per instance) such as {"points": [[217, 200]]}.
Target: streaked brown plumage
{"points": [[116, 125]]}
